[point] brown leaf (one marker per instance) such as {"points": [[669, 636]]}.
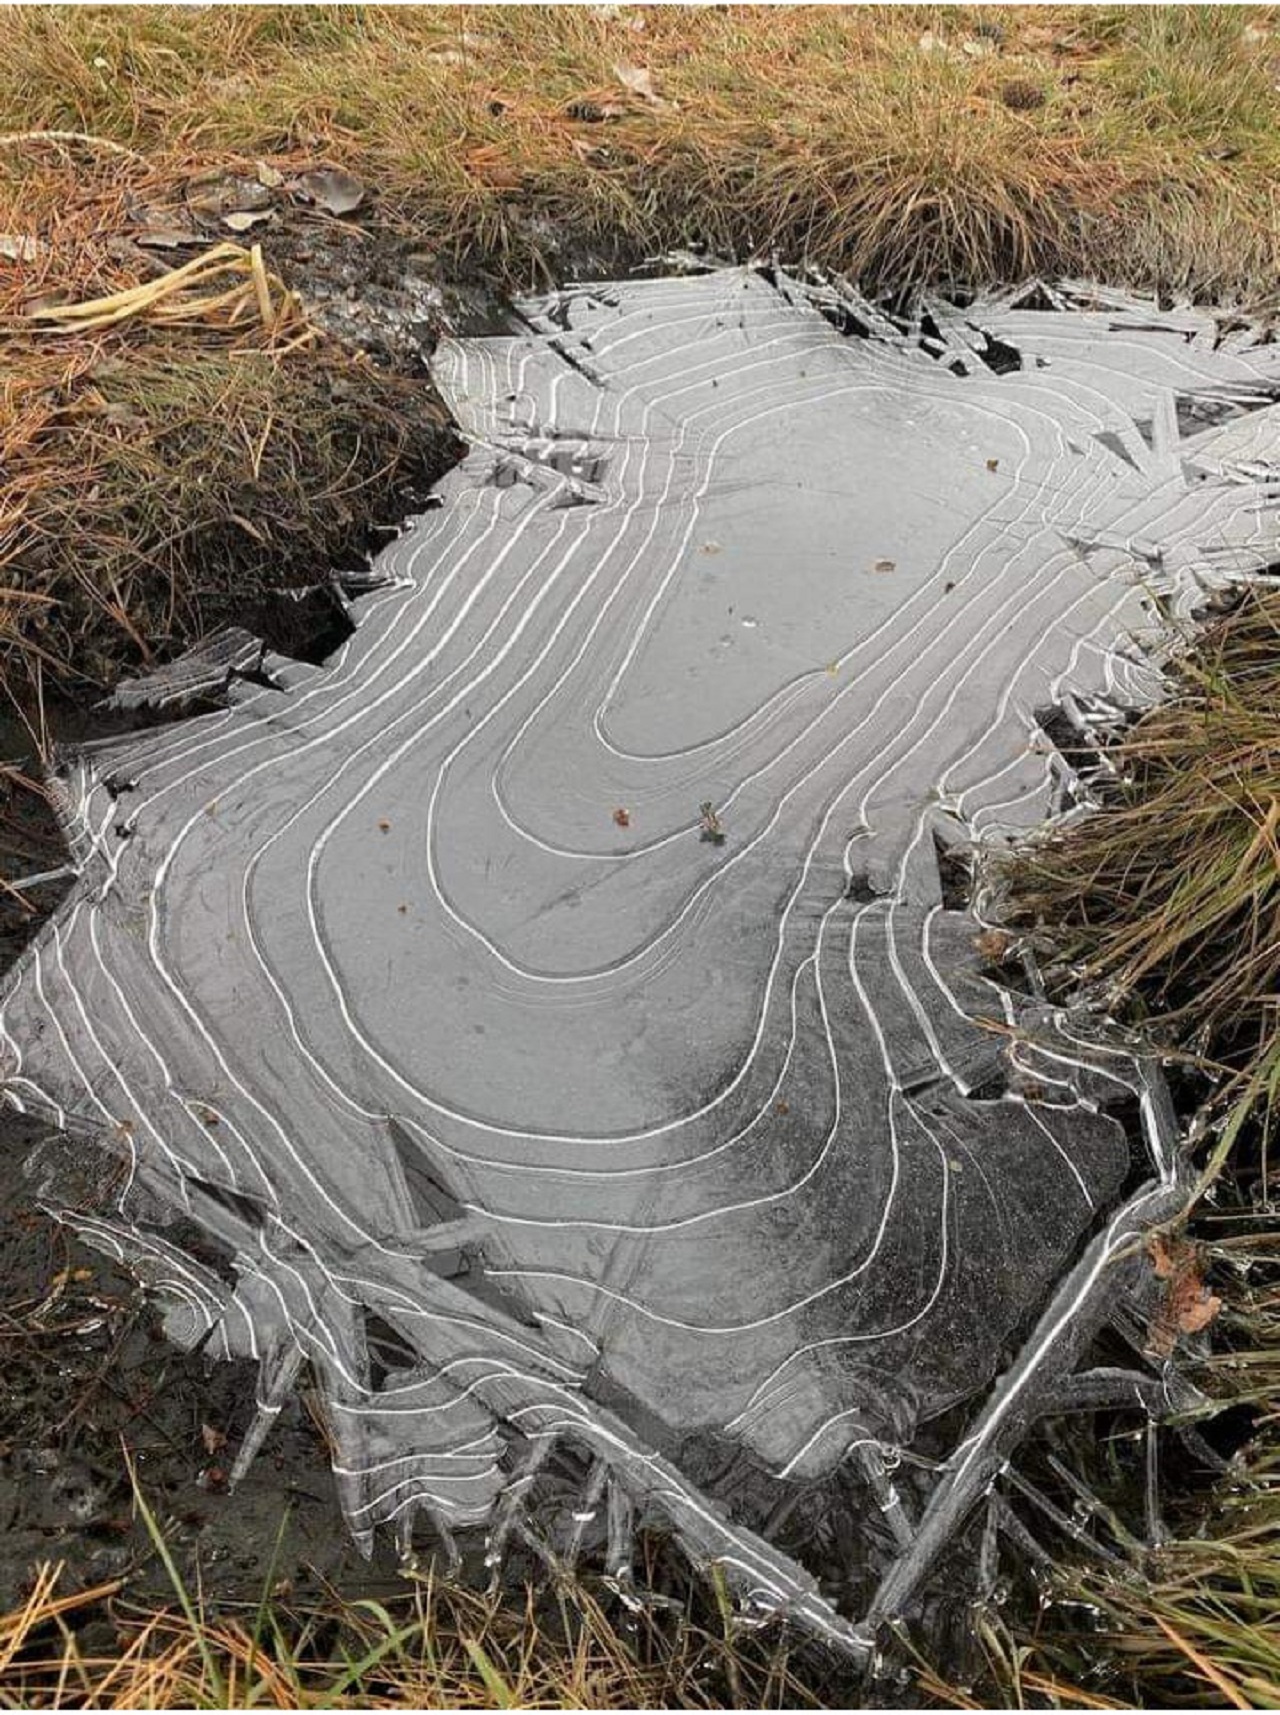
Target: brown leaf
{"points": [[993, 944], [214, 1439], [1160, 1250], [1199, 1311], [993, 464], [639, 80], [245, 219], [885, 566], [332, 189], [622, 817], [165, 237], [1187, 1305]]}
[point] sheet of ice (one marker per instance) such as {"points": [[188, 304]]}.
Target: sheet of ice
{"points": [[416, 985]]}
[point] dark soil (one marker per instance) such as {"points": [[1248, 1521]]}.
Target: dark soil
{"points": [[87, 1378]]}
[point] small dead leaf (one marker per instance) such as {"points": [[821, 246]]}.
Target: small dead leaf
{"points": [[1161, 1253], [639, 81], [121, 416], [885, 566], [1188, 1305], [993, 944], [1197, 1313], [244, 219], [214, 1439], [332, 189], [270, 176], [384, 826], [622, 817], [165, 237], [17, 247], [993, 464]]}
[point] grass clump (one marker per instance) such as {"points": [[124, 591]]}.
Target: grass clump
{"points": [[162, 482], [177, 439], [1164, 906], [1168, 903], [437, 1646], [919, 143]]}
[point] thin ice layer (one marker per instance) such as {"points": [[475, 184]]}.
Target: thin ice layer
{"points": [[426, 986]]}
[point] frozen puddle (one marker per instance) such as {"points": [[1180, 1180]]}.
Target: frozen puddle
{"points": [[428, 1028]]}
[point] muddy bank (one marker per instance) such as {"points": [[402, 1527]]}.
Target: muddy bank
{"points": [[88, 1378]]}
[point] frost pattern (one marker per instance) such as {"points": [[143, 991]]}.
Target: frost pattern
{"points": [[550, 1015]]}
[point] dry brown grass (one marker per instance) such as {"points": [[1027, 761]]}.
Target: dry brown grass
{"points": [[176, 438], [1166, 905], [438, 1647], [905, 145], [910, 143]]}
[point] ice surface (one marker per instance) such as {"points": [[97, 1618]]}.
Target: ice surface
{"points": [[414, 985]]}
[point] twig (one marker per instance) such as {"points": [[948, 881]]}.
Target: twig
{"points": [[12, 138]]}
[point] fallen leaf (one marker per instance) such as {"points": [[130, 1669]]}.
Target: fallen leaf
{"points": [[993, 944], [1199, 1312], [122, 416], [993, 464], [244, 220], [639, 81], [1161, 1253], [332, 189], [166, 237], [270, 176], [219, 195], [885, 566], [213, 1438], [385, 825], [1187, 1305], [622, 817], [17, 247]]}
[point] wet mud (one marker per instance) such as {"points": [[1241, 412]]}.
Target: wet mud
{"points": [[90, 1384], [557, 1018]]}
